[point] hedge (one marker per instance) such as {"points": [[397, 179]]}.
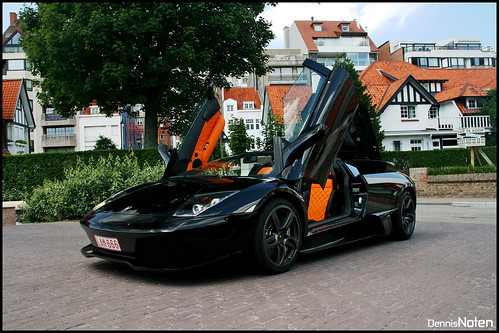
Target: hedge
{"points": [[22, 173], [438, 158]]}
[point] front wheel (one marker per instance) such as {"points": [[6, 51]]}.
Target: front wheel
{"points": [[278, 236], [404, 219]]}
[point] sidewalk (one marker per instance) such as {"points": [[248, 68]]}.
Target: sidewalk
{"points": [[458, 202]]}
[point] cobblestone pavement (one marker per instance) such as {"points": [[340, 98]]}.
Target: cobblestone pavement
{"points": [[444, 275]]}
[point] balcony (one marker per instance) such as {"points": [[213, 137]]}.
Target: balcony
{"points": [[57, 120], [58, 140], [471, 142], [466, 124]]}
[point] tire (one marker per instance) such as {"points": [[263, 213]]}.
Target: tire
{"points": [[404, 219], [277, 238]]}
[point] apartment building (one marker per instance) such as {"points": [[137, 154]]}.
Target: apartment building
{"points": [[426, 109], [324, 41], [451, 53]]}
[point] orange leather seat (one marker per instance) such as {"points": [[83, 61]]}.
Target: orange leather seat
{"points": [[318, 200]]}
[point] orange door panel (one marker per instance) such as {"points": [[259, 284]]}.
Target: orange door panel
{"points": [[207, 140]]}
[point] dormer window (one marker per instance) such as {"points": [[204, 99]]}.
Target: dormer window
{"points": [[248, 105], [318, 26], [345, 27]]}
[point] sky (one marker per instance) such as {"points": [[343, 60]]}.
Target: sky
{"points": [[384, 21]]}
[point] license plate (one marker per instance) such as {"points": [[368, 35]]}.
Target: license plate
{"points": [[108, 243]]}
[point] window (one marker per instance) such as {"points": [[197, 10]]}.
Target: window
{"points": [[345, 27], [230, 108], [472, 103], [407, 111], [248, 105], [396, 145], [29, 85], [94, 109], [17, 65], [416, 145], [249, 124], [318, 27], [257, 124], [432, 62], [433, 112]]}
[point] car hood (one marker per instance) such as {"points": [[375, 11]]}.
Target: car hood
{"points": [[167, 195]]}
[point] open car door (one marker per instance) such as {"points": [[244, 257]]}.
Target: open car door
{"points": [[199, 138], [318, 112]]}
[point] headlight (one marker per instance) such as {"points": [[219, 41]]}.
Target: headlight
{"points": [[201, 202]]}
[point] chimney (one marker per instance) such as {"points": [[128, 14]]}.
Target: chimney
{"points": [[13, 19]]}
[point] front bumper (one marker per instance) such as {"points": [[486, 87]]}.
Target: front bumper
{"points": [[157, 250]]}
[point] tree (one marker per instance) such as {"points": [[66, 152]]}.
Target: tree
{"points": [[273, 127], [159, 55], [104, 143], [364, 96], [490, 108], [240, 141]]}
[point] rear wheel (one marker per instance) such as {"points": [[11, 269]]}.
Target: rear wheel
{"points": [[277, 238], [404, 220]]}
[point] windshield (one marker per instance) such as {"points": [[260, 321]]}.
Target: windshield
{"points": [[248, 164], [299, 101]]}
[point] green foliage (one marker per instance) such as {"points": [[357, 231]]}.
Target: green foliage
{"points": [[22, 173], [273, 127], [490, 108], [461, 170], [240, 141], [85, 185], [437, 158], [156, 54], [104, 143]]}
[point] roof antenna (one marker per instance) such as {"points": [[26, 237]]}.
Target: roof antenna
{"points": [[312, 18]]}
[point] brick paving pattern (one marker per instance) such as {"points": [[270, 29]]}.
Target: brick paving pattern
{"points": [[445, 272]]}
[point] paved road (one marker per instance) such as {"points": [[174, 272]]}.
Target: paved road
{"points": [[444, 275]]}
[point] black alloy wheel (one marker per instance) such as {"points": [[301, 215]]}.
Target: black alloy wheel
{"points": [[404, 220], [278, 237]]}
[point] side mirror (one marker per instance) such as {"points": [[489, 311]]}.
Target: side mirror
{"points": [[165, 153]]}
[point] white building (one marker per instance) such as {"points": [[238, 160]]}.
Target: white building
{"points": [[451, 53], [92, 123], [323, 41], [243, 103]]}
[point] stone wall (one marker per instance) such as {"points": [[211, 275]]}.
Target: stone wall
{"points": [[472, 185]]}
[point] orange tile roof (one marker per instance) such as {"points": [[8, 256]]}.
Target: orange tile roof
{"points": [[243, 95], [10, 94], [276, 93], [330, 29], [463, 90], [484, 78]]}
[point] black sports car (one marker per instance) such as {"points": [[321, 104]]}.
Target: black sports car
{"points": [[323, 185]]}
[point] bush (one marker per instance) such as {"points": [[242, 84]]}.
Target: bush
{"points": [[85, 185]]}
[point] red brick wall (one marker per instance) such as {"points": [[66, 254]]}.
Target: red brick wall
{"points": [[8, 216], [473, 185]]}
